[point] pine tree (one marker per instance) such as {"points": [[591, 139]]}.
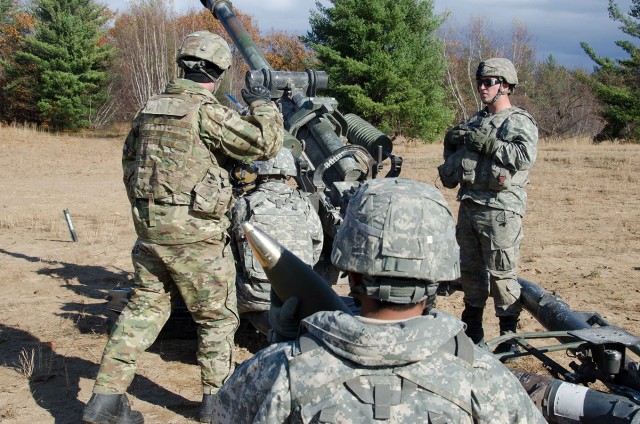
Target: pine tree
{"points": [[385, 63], [68, 59], [616, 83]]}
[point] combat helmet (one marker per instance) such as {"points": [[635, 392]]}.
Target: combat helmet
{"points": [[282, 164], [204, 52], [400, 234], [498, 67]]}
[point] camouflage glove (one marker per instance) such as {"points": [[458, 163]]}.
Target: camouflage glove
{"points": [[256, 93], [476, 141], [282, 318]]}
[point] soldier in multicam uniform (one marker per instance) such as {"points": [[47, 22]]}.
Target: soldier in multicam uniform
{"points": [[287, 215], [400, 361], [490, 156], [174, 162]]}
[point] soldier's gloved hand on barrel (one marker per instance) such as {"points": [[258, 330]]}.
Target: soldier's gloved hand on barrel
{"points": [[282, 318], [256, 92]]}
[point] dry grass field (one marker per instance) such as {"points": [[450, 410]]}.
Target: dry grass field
{"points": [[582, 240]]}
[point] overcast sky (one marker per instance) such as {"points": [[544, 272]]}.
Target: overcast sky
{"points": [[557, 26]]}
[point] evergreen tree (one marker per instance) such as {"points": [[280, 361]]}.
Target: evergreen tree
{"points": [[616, 83], [385, 63], [68, 59]]}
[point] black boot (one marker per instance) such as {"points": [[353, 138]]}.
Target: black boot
{"points": [[508, 325], [206, 408], [472, 316], [110, 409]]}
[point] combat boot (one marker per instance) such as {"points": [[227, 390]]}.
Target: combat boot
{"points": [[472, 316], [110, 409], [508, 325], [206, 408]]}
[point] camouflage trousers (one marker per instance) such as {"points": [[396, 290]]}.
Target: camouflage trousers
{"points": [[489, 241], [203, 273]]}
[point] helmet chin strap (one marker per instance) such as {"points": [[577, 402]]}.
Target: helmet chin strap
{"points": [[209, 75]]}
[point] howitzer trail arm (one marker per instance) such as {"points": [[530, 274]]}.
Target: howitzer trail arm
{"points": [[605, 358]]}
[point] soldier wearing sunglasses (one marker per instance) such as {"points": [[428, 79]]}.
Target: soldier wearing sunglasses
{"points": [[490, 156]]}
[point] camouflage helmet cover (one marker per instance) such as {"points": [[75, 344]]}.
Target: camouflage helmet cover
{"points": [[398, 228], [207, 46], [282, 164], [498, 67]]}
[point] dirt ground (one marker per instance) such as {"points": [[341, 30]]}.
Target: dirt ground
{"points": [[582, 240]]}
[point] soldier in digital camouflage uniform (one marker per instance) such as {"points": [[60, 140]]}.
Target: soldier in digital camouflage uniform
{"points": [[400, 361], [490, 156], [287, 215], [174, 161]]}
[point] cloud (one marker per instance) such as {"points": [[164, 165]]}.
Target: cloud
{"points": [[557, 26]]}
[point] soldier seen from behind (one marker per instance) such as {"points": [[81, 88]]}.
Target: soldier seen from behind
{"points": [[490, 157], [400, 361], [174, 162], [287, 215]]}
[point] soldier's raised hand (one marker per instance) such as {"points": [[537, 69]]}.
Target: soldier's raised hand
{"points": [[255, 93]]}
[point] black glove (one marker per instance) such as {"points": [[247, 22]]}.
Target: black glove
{"points": [[207, 3], [256, 93], [282, 318], [477, 141], [455, 136], [454, 139]]}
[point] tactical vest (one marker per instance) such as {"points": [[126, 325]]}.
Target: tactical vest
{"points": [[416, 393], [283, 216], [479, 172], [174, 167]]}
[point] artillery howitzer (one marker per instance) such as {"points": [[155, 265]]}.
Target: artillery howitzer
{"points": [[334, 152]]}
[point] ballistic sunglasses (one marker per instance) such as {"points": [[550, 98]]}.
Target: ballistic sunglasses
{"points": [[488, 82]]}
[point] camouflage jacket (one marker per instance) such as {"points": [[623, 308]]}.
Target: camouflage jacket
{"points": [[397, 372], [518, 133], [287, 215], [174, 161]]}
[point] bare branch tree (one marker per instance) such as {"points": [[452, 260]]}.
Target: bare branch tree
{"points": [[145, 38]]}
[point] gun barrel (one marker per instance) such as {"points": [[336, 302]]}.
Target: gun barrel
{"points": [[222, 11], [290, 276]]}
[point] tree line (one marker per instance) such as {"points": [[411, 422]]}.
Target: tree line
{"points": [[72, 64]]}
